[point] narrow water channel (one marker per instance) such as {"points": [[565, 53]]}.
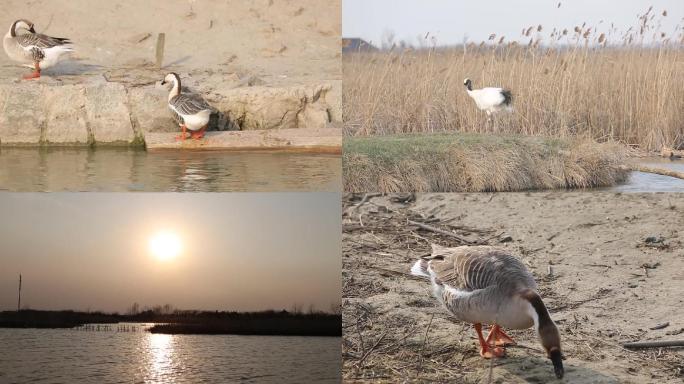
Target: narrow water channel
{"points": [[649, 182]]}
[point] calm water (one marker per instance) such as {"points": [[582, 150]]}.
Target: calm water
{"points": [[69, 355], [649, 182], [122, 169]]}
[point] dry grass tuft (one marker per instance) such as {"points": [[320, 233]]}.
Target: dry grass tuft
{"points": [[600, 85], [478, 163]]}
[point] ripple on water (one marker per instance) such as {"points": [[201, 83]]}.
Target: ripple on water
{"points": [[112, 357], [124, 169]]}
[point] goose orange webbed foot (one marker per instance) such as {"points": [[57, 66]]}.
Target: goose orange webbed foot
{"points": [[199, 133], [499, 337], [490, 352], [183, 134], [32, 75]]}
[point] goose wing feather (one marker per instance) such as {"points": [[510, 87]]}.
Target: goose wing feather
{"points": [[189, 104], [29, 40], [474, 268]]}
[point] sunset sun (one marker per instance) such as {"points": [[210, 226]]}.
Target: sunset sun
{"points": [[165, 245]]}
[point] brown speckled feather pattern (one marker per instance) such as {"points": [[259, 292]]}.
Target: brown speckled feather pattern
{"points": [[479, 267], [479, 284]]}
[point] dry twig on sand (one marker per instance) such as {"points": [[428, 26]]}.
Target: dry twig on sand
{"points": [[654, 344]]}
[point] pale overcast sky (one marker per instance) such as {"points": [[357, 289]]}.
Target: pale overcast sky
{"points": [[450, 20], [241, 251]]}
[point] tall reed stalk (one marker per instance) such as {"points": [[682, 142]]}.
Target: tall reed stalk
{"points": [[568, 83]]}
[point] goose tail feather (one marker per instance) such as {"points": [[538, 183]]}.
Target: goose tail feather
{"points": [[420, 269]]}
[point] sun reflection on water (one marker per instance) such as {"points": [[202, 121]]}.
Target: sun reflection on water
{"points": [[161, 349]]}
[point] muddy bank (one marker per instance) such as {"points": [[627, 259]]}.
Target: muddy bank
{"points": [[616, 263], [108, 110], [468, 162]]}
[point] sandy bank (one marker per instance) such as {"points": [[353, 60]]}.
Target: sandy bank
{"points": [[609, 285]]}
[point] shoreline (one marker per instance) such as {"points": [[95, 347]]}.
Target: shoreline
{"points": [[265, 323]]}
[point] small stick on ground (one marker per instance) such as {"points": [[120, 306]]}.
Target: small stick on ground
{"points": [[654, 344], [426, 333], [365, 199], [440, 231], [160, 49]]}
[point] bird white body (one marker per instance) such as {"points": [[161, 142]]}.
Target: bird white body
{"points": [[192, 121], [196, 121], [490, 100], [22, 53]]}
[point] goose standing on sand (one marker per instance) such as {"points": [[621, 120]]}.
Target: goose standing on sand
{"points": [[482, 284], [33, 49], [490, 100], [190, 111]]}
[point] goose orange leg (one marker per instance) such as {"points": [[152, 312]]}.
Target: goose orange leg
{"points": [[486, 350], [499, 337], [182, 136], [35, 74], [199, 133]]}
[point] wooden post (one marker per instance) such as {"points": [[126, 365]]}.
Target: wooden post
{"points": [[19, 301], [160, 49]]}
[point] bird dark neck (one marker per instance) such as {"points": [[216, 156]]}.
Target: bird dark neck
{"points": [[543, 317], [469, 86], [13, 29]]}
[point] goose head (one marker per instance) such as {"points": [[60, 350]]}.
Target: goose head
{"points": [[468, 84], [21, 24], [173, 79], [550, 339], [546, 329]]}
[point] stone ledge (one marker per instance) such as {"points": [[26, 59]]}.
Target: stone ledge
{"points": [[325, 140], [91, 110]]}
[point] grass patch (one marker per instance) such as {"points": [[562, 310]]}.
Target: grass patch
{"points": [[478, 163]]}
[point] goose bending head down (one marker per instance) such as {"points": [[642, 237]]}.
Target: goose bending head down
{"points": [[190, 111], [32, 49], [491, 100], [482, 284]]}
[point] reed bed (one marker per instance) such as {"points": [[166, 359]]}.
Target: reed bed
{"points": [[578, 82], [478, 163]]}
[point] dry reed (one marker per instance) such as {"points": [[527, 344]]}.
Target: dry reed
{"points": [[564, 83], [478, 163]]}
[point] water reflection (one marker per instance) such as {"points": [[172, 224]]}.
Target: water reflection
{"points": [[161, 356], [111, 356], [123, 169]]}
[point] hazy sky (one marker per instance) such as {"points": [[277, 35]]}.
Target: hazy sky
{"points": [[451, 20], [241, 251]]}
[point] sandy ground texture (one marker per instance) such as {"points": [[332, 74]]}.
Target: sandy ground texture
{"points": [[617, 271], [214, 45], [281, 42]]}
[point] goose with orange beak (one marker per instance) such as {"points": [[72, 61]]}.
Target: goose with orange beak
{"points": [[190, 111], [32, 49], [486, 285]]}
